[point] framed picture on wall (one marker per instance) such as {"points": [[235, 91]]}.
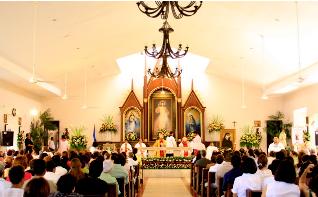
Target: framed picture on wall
{"points": [[257, 123], [132, 124], [192, 121], [162, 115], [227, 138]]}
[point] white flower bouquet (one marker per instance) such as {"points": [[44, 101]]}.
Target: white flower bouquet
{"points": [[216, 124]]}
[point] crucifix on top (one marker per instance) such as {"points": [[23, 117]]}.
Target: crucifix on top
{"points": [[234, 123]]}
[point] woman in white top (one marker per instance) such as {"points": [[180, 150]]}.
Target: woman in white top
{"points": [[249, 179], [263, 172], [284, 184]]}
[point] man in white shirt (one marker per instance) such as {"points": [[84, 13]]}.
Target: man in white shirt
{"points": [[52, 144], [59, 170], [171, 142], [276, 146], [125, 147], [130, 161], [16, 175], [224, 167], [50, 172], [140, 144]]}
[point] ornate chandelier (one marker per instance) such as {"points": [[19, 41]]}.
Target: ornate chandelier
{"points": [[164, 53], [163, 8]]}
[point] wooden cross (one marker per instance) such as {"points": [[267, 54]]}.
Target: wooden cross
{"points": [[234, 123]]}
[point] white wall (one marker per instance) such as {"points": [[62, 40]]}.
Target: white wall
{"points": [[305, 97], [218, 95], [12, 97]]}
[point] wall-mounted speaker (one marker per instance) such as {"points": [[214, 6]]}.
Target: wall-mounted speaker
{"points": [[7, 138]]}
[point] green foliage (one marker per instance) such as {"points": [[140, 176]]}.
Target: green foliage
{"points": [[306, 136], [39, 129], [274, 128]]}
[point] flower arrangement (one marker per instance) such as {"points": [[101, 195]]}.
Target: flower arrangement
{"points": [[306, 136], [191, 135], [78, 140], [216, 124], [164, 132], [131, 136], [108, 125], [250, 138], [167, 163]]}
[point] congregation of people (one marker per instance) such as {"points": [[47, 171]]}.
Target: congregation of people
{"points": [[281, 173]]}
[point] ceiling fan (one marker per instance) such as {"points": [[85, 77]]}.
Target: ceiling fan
{"points": [[300, 78], [85, 106], [33, 78]]}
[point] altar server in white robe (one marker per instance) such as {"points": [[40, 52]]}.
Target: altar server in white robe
{"points": [[126, 147], [196, 144], [210, 149], [171, 142], [141, 153]]}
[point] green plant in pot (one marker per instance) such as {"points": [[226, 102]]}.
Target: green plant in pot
{"points": [[39, 129]]}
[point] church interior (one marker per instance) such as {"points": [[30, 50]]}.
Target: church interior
{"points": [[169, 79]]}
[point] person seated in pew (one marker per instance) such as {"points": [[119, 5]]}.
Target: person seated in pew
{"points": [[92, 185], [118, 169], [248, 180], [65, 187], [106, 176], [236, 171], [224, 167], [284, 183], [203, 162]]}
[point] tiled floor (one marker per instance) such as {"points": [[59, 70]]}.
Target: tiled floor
{"points": [[166, 187]]}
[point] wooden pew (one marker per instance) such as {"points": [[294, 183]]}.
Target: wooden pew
{"points": [[191, 175], [112, 190], [121, 185], [136, 179], [253, 193], [228, 192], [204, 179], [194, 177], [198, 180], [219, 190], [211, 179], [130, 185]]}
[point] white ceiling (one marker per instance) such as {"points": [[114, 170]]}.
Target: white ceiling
{"points": [[72, 36]]}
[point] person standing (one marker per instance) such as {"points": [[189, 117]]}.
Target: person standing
{"points": [[141, 153], [161, 142], [64, 146], [51, 144], [28, 143], [171, 142], [126, 147]]}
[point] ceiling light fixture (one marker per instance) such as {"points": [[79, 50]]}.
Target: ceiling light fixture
{"points": [[264, 95], [165, 53], [243, 105], [162, 9], [300, 79]]}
